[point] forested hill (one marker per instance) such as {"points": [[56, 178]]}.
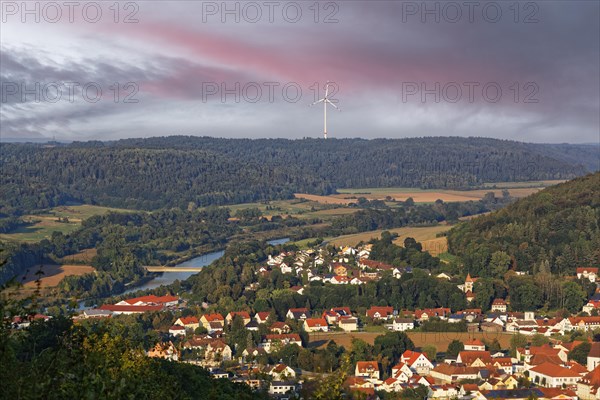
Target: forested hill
{"points": [[173, 171], [554, 230]]}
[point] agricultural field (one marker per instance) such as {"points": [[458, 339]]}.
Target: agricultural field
{"points": [[42, 225], [516, 189], [52, 274], [420, 234], [439, 339]]}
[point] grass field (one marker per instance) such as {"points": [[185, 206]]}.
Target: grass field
{"points": [[42, 225], [421, 234], [52, 274], [439, 339]]}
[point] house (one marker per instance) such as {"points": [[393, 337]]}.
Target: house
{"points": [[549, 353], [188, 322], [164, 350], [219, 351], [591, 306], [253, 352], [587, 387], [96, 313], [206, 320], [403, 324], [348, 323], [118, 309], [280, 327], [367, 369], [470, 296], [279, 387], [339, 269], [281, 372], [491, 327], [451, 373], [427, 313], [340, 280], [443, 392], [151, 300], [298, 289], [177, 330], [341, 310], [583, 323], [587, 273], [474, 358], [553, 376], [417, 362], [274, 342], [215, 327], [499, 305], [474, 345], [243, 314], [298, 313], [503, 363], [380, 312], [315, 325], [402, 372], [443, 275], [219, 374], [252, 326], [261, 317]]}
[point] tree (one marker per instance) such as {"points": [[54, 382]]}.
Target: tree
{"points": [[574, 296], [454, 347], [499, 263], [580, 353], [392, 345], [430, 351], [517, 340]]}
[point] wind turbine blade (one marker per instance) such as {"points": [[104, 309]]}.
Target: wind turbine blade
{"points": [[318, 101], [326, 89], [327, 100]]}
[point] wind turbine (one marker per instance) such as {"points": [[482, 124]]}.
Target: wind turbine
{"points": [[325, 100]]}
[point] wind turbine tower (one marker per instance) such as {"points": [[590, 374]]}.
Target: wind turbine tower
{"points": [[325, 100]]}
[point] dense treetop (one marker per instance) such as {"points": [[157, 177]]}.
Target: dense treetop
{"points": [[553, 231], [174, 171]]}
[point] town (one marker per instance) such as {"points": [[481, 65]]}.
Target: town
{"points": [[542, 357]]}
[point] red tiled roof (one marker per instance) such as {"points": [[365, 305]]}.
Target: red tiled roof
{"points": [[432, 312], [364, 366], [469, 357], [243, 314], [592, 378], [289, 336], [474, 342], [189, 320], [315, 322], [383, 311], [214, 317], [554, 371], [152, 299], [263, 315], [581, 270]]}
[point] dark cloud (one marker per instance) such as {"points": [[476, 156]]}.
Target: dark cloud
{"points": [[373, 52]]}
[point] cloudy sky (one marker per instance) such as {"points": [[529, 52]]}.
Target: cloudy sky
{"points": [[513, 70]]}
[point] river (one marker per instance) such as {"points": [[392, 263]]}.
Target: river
{"points": [[166, 278]]}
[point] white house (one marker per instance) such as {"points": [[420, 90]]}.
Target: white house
{"points": [[403, 324], [552, 375], [417, 362], [367, 369]]}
